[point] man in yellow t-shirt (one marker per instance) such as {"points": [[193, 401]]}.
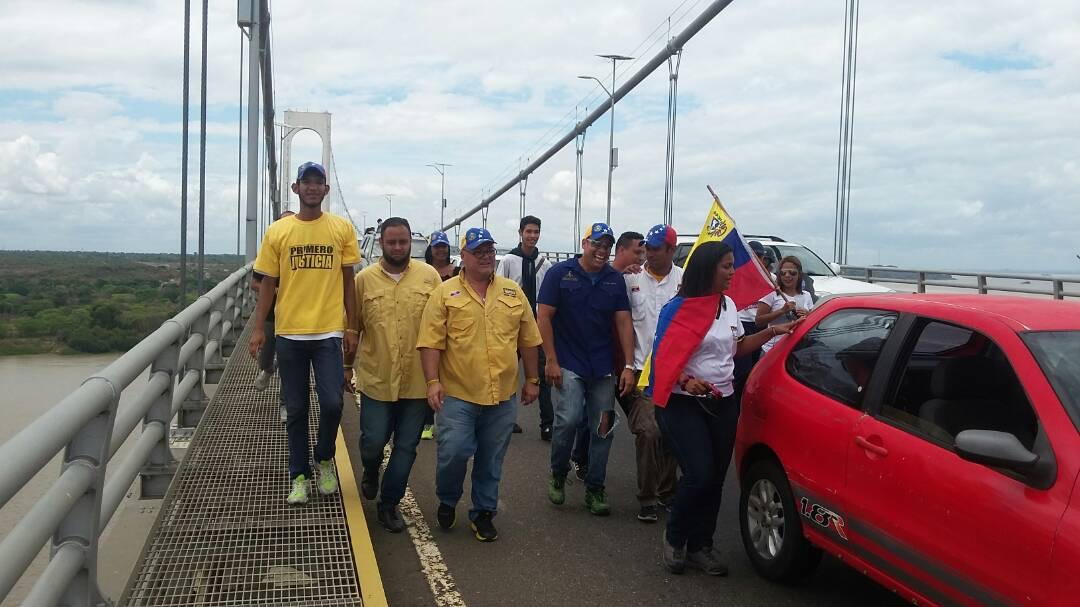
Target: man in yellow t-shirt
{"points": [[474, 327], [390, 299], [309, 259]]}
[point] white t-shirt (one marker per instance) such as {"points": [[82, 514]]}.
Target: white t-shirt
{"points": [[714, 359], [775, 302], [511, 265], [647, 296]]}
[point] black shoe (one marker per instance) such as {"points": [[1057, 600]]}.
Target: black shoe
{"points": [[391, 519], [369, 484], [648, 514], [517, 429], [483, 528], [581, 471], [545, 433], [447, 516], [674, 558], [707, 560]]}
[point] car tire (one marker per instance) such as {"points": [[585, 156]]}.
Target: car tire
{"points": [[771, 528]]}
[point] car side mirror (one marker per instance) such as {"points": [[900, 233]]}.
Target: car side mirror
{"points": [[998, 449], [835, 268]]}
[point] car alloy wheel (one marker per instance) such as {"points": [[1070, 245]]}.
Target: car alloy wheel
{"points": [[765, 519]]}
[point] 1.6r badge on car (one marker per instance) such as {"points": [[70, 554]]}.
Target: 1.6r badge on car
{"points": [[822, 517]]}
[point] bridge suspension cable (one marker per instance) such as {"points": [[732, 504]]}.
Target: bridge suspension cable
{"points": [[842, 217], [673, 46]]}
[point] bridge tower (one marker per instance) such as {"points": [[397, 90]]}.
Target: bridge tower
{"points": [[319, 122]]}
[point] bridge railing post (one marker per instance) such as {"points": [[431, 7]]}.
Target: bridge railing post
{"points": [[191, 409], [158, 471], [920, 282], [80, 527], [215, 364]]}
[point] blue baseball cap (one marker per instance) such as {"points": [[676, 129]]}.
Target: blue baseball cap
{"points": [[310, 166], [438, 238], [599, 230], [475, 237], [660, 235]]}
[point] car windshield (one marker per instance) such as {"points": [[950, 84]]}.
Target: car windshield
{"points": [[419, 245], [811, 263], [1058, 353]]}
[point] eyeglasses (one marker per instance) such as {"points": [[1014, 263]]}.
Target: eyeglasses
{"points": [[600, 244], [483, 253], [789, 272]]}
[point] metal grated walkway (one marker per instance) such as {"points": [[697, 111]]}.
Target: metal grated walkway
{"points": [[225, 535]]}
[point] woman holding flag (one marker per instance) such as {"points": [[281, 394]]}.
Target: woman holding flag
{"points": [[698, 336]]}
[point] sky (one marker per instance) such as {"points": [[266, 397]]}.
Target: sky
{"points": [[965, 143]]}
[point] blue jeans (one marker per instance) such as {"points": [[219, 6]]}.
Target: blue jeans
{"points": [[378, 420], [478, 431], [582, 398], [296, 360], [702, 435]]}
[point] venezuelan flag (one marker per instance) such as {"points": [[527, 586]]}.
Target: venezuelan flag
{"points": [[680, 328], [684, 321], [751, 282]]}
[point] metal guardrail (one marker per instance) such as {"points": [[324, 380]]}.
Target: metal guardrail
{"points": [[183, 354], [983, 283]]}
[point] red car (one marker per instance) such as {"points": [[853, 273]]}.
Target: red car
{"points": [[929, 441]]}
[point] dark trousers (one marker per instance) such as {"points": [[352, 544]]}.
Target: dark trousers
{"points": [[701, 433], [547, 412], [296, 360], [379, 420], [745, 364]]}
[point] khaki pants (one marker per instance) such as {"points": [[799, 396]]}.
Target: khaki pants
{"points": [[655, 463]]}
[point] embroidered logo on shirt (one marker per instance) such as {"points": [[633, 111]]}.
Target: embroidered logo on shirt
{"points": [[569, 277], [311, 256], [510, 292]]}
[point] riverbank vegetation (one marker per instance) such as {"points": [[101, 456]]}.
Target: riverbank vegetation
{"points": [[66, 302]]}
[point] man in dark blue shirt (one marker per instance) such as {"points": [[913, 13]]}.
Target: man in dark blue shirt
{"points": [[576, 306]]}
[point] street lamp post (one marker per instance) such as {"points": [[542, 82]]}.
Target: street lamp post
{"points": [[441, 168], [611, 137], [390, 199]]}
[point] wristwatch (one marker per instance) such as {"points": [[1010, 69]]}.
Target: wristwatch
{"points": [[631, 367], [533, 380]]}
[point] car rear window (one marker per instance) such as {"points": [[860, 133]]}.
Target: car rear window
{"points": [[1058, 353], [837, 356]]}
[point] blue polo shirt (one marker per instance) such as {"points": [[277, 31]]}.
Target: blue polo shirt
{"points": [[585, 306]]}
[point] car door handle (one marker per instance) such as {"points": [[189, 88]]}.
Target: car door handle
{"points": [[871, 447]]}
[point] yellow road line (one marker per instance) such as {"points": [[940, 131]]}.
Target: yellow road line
{"points": [[371, 585]]}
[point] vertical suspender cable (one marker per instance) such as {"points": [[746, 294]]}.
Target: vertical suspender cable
{"points": [[202, 153], [669, 158], [184, 157], [240, 143], [851, 126], [837, 212]]}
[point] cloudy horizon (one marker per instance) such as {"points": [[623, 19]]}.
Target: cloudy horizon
{"points": [[965, 144]]}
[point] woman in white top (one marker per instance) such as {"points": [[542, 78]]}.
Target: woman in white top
{"points": [[700, 415], [775, 308]]}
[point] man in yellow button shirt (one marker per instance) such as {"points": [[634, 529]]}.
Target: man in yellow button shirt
{"points": [[390, 299], [474, 327], [309, 259]]}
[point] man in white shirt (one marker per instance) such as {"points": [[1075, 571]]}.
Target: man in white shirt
{"points": [[527, 267], [648, 291]]}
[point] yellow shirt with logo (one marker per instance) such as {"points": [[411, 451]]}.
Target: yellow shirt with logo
{"points": [[306, 257], [388, 319], [479, 338]]}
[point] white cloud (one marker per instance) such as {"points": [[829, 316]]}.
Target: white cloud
{"points": [[941, 151]]}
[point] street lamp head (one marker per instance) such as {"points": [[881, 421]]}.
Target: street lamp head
{"points": [[615, 57]]}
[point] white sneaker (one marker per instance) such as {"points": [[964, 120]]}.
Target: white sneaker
{"points": [[262, 380], [284, 414]]}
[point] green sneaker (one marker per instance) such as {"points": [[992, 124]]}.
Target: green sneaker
{"points": [[327, 478], [428, 433], [596, 502], [557, 489], [299, 490]]}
